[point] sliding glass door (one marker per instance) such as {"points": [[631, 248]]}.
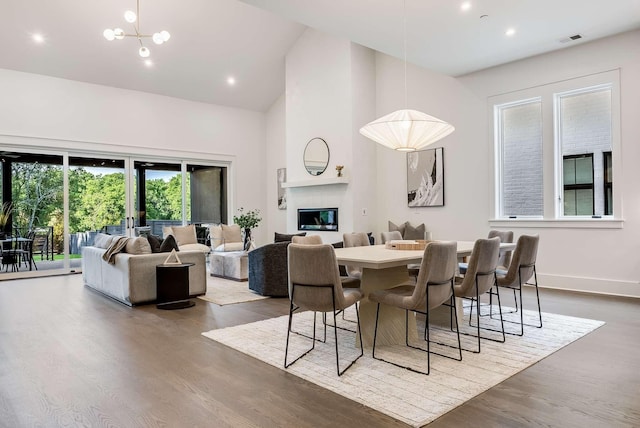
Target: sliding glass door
{"points": [[53, 204]]}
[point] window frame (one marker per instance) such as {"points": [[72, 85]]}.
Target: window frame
{"points": [[552, 157]]}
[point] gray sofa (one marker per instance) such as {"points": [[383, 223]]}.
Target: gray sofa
{"points": [[132, 279]]}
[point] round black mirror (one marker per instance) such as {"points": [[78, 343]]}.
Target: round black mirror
{"points": [[316, 156]]}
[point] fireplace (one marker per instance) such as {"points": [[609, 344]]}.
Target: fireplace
{"points": [[318, 219]]}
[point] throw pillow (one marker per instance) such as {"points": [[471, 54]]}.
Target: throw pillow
{"points": [[231, 233], [411, 232], [166, 231], [139, 245], [102, 240], [169, 244], [283, 237], [154, 242], [185, 234], [399, 227]]}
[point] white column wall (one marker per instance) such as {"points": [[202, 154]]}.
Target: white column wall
{"points": [[320, 102], [276, 157], [89, 115]]}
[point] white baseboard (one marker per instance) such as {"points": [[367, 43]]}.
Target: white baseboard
{"points": [[590, 285]]}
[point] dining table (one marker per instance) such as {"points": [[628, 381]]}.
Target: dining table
{"points": [[384, 268]]}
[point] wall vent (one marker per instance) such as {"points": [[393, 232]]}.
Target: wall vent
{"points": [[571, 38]]}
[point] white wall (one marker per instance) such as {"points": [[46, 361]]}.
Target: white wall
{"points": [[601, 260], [276, 157], [320, 90], [105, 118]]}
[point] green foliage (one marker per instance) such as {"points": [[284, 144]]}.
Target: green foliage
{"points": [[247, 220]]}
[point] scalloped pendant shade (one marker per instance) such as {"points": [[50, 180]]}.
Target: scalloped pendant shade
{"points": [[406, 130]]}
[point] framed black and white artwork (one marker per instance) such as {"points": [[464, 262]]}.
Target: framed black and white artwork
{"points": [[282, 192], [425, 178]]}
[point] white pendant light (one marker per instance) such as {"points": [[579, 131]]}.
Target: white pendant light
{"points": [[406, 130]]}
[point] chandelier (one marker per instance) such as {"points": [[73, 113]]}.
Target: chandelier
{"points": [[406, 130], [134, 18]]}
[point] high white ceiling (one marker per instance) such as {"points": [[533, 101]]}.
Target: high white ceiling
{"points": [[214, 39]]}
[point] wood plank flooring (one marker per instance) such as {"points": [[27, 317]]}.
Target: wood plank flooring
{"points": [[72, 357]]}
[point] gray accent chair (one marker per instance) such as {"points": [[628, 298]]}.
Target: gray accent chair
{"points": [[268, 270], [315, 285], [480, 279], [521, 269], [434, 287]]}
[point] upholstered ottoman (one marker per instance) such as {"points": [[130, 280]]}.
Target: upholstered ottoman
{"points": [[229, 264]]}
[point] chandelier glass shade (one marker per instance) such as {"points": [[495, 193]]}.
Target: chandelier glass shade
{"points": [[134, 18], [406, 130]]}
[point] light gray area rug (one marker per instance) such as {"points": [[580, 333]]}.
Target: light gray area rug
{"points": [[410, 397], [227, 292]]}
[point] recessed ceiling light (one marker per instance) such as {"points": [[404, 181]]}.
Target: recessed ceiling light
{"points": [[231, 81], [148, 63], [38, 38], [465, 6], [510, 32]]}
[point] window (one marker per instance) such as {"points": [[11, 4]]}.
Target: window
{"points": [[578, 184], [520, 128], [583, 120], [555, 155]]}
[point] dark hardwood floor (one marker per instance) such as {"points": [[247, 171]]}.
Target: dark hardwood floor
{"points": [[72, 357]]}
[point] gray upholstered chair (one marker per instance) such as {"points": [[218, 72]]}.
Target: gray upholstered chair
{"points": [[390, 236], [268, 270], [434, 287], [355, 240], [506, 237], [480, 279], [307, 240], [314, 285], [521, 269]]}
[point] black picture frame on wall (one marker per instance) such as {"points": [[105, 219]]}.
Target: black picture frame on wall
{"points": [[425, 178]]}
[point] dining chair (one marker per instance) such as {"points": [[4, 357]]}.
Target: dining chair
{"points": [[521, 269], [307, 240], [10, 256], [434, 288], [479, 279], [506, 237], [356, 239], [24, 250], [314, 285], [394, 235]]}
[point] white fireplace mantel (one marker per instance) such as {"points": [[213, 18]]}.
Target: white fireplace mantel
{"points": [[317, 182]]}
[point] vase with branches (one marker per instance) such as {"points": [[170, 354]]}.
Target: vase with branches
{"points": [[247, 220]]}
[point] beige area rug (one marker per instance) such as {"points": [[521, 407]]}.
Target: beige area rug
{"points": [[227, 292], [404, 395]]}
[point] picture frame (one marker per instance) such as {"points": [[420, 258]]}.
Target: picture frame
{"points": [[282, 192], [425, 178]]}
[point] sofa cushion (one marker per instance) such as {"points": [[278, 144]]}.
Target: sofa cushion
{"points": [[195, 247], [411, 232], [154, 242], [185, 234], [231, 233], [231, 246], [168, 244], [283, 237], [139, 245]]}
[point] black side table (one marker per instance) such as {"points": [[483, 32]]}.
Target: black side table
{"points": [[172, 286]]}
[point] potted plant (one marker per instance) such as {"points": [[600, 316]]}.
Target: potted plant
{"points": [[247, 220], [5, 216]]}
